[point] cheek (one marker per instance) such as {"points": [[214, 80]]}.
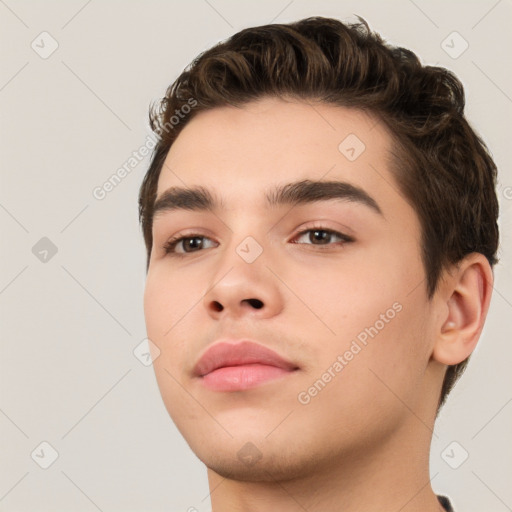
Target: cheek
{"points": [[350, 295], [156, 307], [391, 366], [167, 302], [168, 297], [172, 309], [374, 311], [381, 377]]}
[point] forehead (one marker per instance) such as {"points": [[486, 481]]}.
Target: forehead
{"points": [[241, 153]]}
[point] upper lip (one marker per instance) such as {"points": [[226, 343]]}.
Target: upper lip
{"points": [[238, 353]]}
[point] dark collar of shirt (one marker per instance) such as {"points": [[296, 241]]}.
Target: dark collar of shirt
{"points": [[445, 502]]}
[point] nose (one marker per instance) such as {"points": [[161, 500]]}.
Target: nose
{"points": [[239, 288]]}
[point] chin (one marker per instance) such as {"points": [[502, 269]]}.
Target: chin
{"points": [[263, 468], [257, 459]]}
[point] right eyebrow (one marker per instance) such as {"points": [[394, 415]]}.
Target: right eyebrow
{"points": [[195, 198]]}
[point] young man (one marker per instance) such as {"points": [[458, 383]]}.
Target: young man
{"points": [[321, 226]]}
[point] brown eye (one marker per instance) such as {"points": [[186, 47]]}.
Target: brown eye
{"points": [[186, 244], [318, 236], [321, 236]]}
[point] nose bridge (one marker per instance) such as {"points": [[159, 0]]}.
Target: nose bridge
{"points": [[241, 262], [247, 240]]}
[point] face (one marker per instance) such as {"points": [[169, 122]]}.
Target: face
{"points": [[329, 278]]}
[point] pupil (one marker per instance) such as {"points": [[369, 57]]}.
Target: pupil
{"points": [[323, 237], [192, 245]]}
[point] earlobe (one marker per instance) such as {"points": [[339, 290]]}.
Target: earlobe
{"points": [[469, 294]]}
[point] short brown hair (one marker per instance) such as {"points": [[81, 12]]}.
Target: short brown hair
{"points": [[442, 166]]}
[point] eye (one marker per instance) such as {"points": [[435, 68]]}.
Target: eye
{"points": [[321, 236], [186, 244], [182, 245]]}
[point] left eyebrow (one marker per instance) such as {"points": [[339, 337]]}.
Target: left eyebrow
{"points": [[307, 191], [199, 198]]}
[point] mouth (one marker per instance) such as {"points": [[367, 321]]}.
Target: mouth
{"points": [[239, 366]]}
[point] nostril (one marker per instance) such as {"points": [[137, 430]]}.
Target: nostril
{"points": [[255, 303], [217, 306]]}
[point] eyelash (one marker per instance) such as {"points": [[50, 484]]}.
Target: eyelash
{"points": [[170, 245]]}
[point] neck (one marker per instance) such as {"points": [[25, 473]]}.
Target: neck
{"points": [[393, 477]]}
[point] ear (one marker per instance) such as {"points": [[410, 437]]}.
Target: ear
{"points": [[467, 291]]}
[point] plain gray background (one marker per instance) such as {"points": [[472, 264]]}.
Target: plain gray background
{"points": [[70, 321]]}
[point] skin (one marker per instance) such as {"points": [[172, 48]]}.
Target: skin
{"points": [[362, 442]]}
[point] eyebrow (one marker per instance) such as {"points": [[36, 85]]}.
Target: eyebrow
{"points": [[199, 198]]}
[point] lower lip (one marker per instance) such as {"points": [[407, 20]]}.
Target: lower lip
{"points": [[239, 378]]}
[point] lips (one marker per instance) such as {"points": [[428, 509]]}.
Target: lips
{"points": [[232, 366]]}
